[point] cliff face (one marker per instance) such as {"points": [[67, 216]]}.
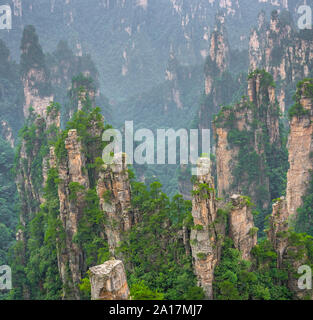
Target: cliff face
{"points": [[281, 51], [32, 96], [278, 228], [34, 74], [239, 131], [72, 174], [218, 58], [224, 161], [114, 192], [300, 147], [241, 226], [217, 63]]}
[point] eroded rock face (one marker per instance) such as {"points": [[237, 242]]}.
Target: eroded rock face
{"points": [[224, 158], [217, 63], [300, 147], [276, 47], [108, 281], [207, 235], [114, 192], [218, 54], [279, 225], [33, 98], [71, 171], [241, 226]]}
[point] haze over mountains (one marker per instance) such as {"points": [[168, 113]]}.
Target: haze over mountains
{"points": [[131, 41], [72, 69]]}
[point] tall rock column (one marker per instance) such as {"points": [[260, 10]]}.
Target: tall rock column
{"points": [[34, 74], [278, 228], [218, 59], [208, 232], [241, 226], [217, 63], [300, 147], [73, 182], [114, 192]]}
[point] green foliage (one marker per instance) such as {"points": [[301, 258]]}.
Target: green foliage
{"points": [[85, 121], [248, 201], [301, 248], [297, 110], [90, 230], [266, 78], [203, 190], [8, 204], [85, 287], [201, 256], [236, 279], [41, 274], [139, 291], [253, 231], [223, 214], [198, 227], [53, 109], [74, 188], [34, 135], [153, 251], [304, 89]]}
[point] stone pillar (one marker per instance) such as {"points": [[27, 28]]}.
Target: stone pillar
{"points": [[241, 226], [108, 281]]}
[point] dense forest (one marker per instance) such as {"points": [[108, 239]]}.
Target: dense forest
{"points": [[237, 231]]}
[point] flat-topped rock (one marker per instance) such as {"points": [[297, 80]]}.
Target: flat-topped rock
{"points": [[108, 281]]}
